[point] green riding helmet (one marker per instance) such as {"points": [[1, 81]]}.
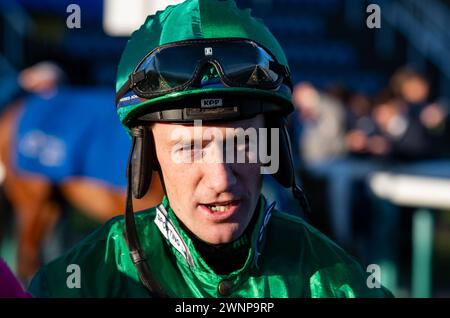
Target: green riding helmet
{"points": [[198, 20]]}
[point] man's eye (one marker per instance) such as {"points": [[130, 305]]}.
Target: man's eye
{"points": [[192, 150], [190, 147], [242, 145], [186, 147]]}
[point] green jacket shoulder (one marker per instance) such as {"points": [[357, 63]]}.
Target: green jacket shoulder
{"points": [[92, 267], [327, 269]]}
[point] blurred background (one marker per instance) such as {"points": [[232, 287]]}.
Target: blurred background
{"points": [[371, 130]]}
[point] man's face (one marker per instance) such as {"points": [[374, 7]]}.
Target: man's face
{"points": [[213, 197]]}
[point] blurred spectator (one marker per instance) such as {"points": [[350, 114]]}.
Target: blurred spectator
{"points": [[404, 136], [424, 119], [361, 137], [323, 120]]}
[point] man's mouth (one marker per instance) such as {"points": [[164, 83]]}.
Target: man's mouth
{"points": [[221, 207], [220, 210]]}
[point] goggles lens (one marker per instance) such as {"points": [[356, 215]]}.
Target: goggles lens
{"points": [[239, 63]]}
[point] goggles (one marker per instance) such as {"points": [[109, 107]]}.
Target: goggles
{"points": [[176, 66]]}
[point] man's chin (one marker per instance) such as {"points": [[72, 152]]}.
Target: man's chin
{"points": [[223, 234]]}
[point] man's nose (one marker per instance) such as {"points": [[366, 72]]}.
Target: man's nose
{"points": [[220, 176]]}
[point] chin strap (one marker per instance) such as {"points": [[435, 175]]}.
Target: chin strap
{"points": [[297, 191], [300, 195], [132, 238]]}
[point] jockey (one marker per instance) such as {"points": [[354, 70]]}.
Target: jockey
{"points": [[192, 80]]}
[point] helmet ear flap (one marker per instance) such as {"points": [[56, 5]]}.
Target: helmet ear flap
{"points": [[141, 161], [285, 172]]}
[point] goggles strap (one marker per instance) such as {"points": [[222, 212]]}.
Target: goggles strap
{"points": [[136, 77], [132, 80], [280, 69], [122, 91]]}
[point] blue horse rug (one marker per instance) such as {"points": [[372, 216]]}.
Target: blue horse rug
{"points": [[73, 133]]}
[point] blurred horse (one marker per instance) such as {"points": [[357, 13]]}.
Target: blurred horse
{"points": [[68, 140]]}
